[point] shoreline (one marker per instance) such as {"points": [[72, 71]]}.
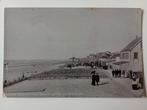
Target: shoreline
{"points": [[26, 75]]}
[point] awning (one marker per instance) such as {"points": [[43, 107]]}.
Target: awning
{"points": [[121, 62]]}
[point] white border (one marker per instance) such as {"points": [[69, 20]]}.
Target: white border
{"points": [[73, 103]]}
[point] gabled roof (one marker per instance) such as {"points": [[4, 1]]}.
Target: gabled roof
{"points": [[132, 44]]}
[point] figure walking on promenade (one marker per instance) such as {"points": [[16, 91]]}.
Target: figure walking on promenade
{"points": [[113, 73], [93, 78], [97, 78]]}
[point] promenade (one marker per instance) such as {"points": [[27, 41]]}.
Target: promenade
{"points": [[108, 87]]}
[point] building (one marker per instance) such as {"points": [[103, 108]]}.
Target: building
{"points": [[91, 57], [131, 57], [115, 57]]}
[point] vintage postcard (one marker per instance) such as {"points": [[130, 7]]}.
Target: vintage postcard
{"points": [[73, 52]]}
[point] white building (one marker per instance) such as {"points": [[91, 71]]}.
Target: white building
{"points": [[131, 57]]}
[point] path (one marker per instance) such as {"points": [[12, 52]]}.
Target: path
{"points": [[118, 87]]}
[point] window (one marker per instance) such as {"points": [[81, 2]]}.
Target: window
{"points": [[125, 55], [135, 55]]}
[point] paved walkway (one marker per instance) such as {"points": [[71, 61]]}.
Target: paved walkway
{"points": [[109, 87]]}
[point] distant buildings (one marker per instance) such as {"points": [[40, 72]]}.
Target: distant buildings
{"points": [[115, 57], [92, 57], [128, 59]]}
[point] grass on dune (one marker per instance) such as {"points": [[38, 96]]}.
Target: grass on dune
{"points": [[67, 73]]}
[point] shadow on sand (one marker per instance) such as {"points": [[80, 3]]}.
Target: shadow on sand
{"points": [[103, 83]]}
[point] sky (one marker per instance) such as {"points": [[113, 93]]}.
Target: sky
{"points": [[61, 33]]}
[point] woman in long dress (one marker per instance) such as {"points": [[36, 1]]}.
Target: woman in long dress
{"points": [[93, 78]]}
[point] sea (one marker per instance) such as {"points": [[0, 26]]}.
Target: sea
{"points": [[14, 69]]}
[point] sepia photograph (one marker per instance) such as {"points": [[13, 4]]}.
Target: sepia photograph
{"points": [[73, 52]]}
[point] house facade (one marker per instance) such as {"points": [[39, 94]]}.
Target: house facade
{"points": [[131, 57]]}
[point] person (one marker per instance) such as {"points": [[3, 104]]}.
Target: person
{"points": [[110, 66], [119, 72], [69, 66], [112, 73], [5, 83], [141, 82], [92, 65], [93, 78], [131, 74], [116, 73], [97, 78], [123, 73], [135, 83]]}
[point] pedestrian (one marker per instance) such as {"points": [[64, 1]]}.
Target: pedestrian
{"points": [[123, 73], [119, 73], [131, 74], [141, 82], [97, 78], [134, 84], [93, 78], [112, 73], [5, 83], [116, 73], [23, 76]]}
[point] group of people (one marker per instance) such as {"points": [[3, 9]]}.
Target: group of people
{"points": [[95, 78], [8, 83], [117, 73]]}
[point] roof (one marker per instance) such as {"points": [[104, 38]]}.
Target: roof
{"points": [[132, 44], [114, 55]]}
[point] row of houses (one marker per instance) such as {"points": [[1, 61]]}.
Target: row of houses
{"points": [[128, 59]]}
